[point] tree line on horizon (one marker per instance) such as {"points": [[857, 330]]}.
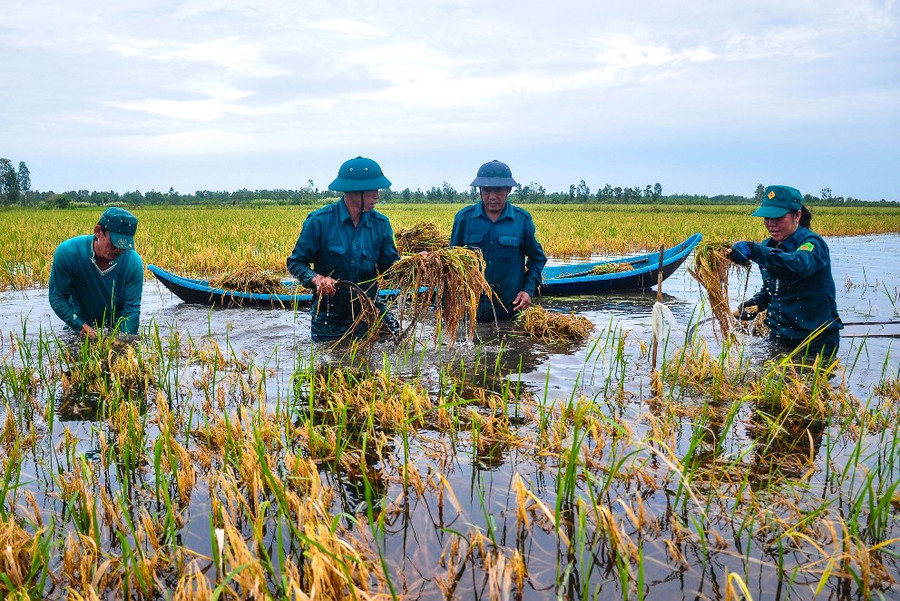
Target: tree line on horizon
{"points": [[15, 190]]}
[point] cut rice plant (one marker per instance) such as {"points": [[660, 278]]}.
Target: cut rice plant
{"points": [[753, 327], [602, 269], [711, 269], [424, 236], [551, 326], [249, 277], [104, 366], [448, 282], [366, 314]]}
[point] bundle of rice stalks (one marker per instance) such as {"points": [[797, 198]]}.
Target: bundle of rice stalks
{"points": [[753, 327], [366, 312], [605, 268], [248, 277], [554, 327], [422, 237], [601, 269], [105, 366], [448, 281], [711, 269]]}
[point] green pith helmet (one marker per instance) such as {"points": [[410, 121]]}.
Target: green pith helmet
{"points": [[359, 174], [494, 175], [778, 201]]}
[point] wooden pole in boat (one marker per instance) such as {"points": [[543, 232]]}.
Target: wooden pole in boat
{"points": [[659, 281]]}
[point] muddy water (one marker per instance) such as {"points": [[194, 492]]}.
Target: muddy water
{"points": [[865, 271], [868, 280]]}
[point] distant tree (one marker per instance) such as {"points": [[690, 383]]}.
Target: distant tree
{"points": [[572, 192], [9, 183], [760, 191], [657, 191], [583, 193], [648, 191], [60, 201], [449, 192], [826, 194], [24, 181], [617, 192], [606, 194]]}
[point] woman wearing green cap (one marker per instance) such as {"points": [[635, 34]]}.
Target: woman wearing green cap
{"points": [[798, 292], [346, 240]]}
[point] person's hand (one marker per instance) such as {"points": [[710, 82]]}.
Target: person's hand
{"points": [[746, 312], [522, 301], [325, 285], [740, 252], [88, 332]]}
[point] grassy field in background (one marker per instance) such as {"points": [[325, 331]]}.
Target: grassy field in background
{"points": [[208, 240]]}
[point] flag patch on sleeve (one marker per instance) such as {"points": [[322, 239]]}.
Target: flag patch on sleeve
{"points": [[808, 246]]}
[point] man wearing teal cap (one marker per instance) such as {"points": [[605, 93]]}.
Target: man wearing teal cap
{"points": [[96, 280], [347, 240], [798, 292]]}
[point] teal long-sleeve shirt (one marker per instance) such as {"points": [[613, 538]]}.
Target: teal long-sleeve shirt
{"points": [[798, 291], [330, 245], [513, 256], [80, 293]]}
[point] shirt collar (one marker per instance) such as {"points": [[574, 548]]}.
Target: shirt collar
{"points": [[506, 213], [344, 214], [112, 264]]}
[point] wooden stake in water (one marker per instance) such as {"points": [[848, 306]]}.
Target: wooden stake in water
{"points": [[659, 281]]}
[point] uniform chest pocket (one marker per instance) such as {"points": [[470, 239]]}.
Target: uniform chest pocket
{"points": [[508, 240], [473, 239], [367, 262], [336, 250]]}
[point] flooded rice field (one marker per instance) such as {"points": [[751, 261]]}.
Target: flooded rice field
{"points": [[225, 453]]}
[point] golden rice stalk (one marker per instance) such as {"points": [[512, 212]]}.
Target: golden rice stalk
{"points": [[193, 585], [550, 326], [366, 313], [711, 269], [249, 277], [448, 281], [605, 268], [753, 327], [17, 550], [424, 236]]}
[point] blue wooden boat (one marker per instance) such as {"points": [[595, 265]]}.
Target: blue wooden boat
{"points": [[575, 279], [578, 279]]}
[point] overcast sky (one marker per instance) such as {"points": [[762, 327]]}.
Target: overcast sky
{"points": [[702, 97]]}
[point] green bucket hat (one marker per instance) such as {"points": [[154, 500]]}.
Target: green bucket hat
{"points": [[121, 226], [778, 201], [359, 174]]}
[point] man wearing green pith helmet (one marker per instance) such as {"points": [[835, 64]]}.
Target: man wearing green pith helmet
{"points": [[346, 240], [798, 292], [97, 280], [505, 234]]}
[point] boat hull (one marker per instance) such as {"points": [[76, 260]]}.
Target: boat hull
{"points": [[558, 281]]}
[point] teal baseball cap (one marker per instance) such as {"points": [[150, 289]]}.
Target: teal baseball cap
{"points": [[358, 175], [778, 201], [121, 226]]}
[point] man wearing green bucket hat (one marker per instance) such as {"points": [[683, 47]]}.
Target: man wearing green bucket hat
{"points": [[505, 234], [97, 280], [345, 241], [798, 292]]}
